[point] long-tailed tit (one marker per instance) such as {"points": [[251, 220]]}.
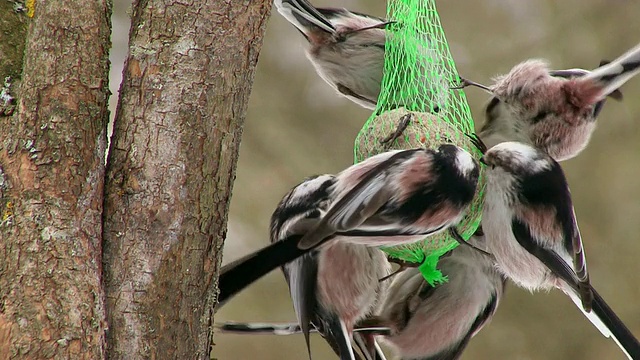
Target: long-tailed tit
{"points": [[347, 50], [334, 286], [437, 322], [392, 198], [337, 284], [530, 227], [419, 321], [399, 197], [554, 110]]}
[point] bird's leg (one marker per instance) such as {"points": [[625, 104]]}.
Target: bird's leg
{"points": [[456, 235], [403, 266], [403, 123], [465, 82]]}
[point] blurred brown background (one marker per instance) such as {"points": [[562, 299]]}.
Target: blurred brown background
{"points": [[297, 127]]}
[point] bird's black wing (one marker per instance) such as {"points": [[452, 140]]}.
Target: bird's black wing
{"points": [[359, 203]]}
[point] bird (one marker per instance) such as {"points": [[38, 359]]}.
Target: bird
{"points": [[392, 198], [554, 110], [422, 321], [396, 197], [334, 286], [531, 229], [437, 321], [347, 50]]}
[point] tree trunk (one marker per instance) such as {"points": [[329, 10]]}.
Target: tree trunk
{"points": [[171, 168], [13, 26], [51, 187]]}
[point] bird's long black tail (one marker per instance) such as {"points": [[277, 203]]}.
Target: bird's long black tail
{"points": [[619, 331], [239, 274]]}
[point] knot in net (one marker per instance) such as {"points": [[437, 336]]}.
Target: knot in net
{"points": [[418, 73]]}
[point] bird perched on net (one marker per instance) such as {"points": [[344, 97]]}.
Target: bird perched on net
{"points": [[421, 321], [334, 286], [555, 110], [437, 322], [347, 49], [531, 229], [396, 197]]}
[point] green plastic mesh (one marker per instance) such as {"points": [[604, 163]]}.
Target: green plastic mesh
{"points": [[418, 73]]}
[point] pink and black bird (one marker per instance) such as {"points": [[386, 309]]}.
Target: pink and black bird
{"points": [[531, 229], [420, 321], [346, 48], [320, 229], [333, 286], [437, 322], [554, 110], [396, 197]]}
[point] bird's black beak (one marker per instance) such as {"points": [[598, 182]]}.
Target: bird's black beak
{"points": [[482, 160]]}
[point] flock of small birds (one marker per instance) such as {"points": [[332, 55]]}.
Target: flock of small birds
{"points": [[326, 231]]}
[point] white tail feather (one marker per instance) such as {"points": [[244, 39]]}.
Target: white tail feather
{"points": [[379, 351], [347, 338], [595, 320]]}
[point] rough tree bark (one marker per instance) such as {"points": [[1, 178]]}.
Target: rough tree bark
{"points": [[51, 187], [13, 26], [183, 101]]}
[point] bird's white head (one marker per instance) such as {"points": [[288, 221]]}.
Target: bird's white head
{"points": [[517, 158], [464, 163]]}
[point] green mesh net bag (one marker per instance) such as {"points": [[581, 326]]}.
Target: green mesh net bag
{"points": [[418, 73]]}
